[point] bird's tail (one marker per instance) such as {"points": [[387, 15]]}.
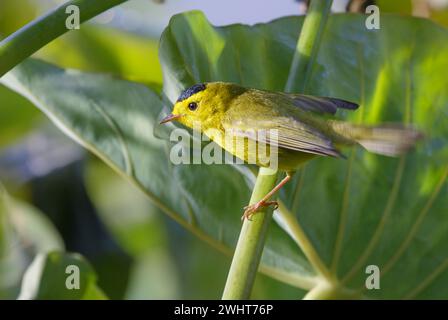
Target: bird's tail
{"points": [[388, 140]]}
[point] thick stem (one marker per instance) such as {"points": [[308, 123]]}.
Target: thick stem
{"points": [[308, 45], [27, 40], [250, 242], [253, 233], [326, 291]]}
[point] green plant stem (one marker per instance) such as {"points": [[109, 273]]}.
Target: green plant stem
{"points": [[308, 45], [302, 240], [29, 39], [253, 233], [327, 291], [301, 67], [250, 242]]}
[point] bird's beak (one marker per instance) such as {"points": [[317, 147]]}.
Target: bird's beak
{"points": [[170, 117]]}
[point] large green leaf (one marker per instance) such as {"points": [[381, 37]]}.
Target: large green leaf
{"points": [[369, 209], [115, 119], [366, 210], [387, 212]]}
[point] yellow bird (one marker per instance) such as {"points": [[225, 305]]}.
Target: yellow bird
{"points": [[294, 125]]}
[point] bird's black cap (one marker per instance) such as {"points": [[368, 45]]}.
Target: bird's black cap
{"points": [[191, 91]]}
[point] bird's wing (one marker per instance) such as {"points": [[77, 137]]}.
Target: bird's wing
{"points": [[320, 104], [264, 125]]}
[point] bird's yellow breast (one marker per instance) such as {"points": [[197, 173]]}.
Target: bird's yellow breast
{"points": [[253, 152]]}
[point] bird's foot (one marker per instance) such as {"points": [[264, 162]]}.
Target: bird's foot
{"points": [[249, 211]]}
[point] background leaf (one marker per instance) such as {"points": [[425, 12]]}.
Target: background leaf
{"points": [[375, 210], [115, 119], [46, 279], [24, 231]]}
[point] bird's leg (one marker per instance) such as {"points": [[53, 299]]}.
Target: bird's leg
{"points": [[250, 210]]}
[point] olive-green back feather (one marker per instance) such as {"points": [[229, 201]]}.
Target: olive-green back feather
{"points": [[294, 128]]}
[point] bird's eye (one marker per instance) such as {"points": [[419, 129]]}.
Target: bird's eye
{"points": [[192, 106]]}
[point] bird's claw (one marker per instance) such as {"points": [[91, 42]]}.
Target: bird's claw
{"points": [[250, 210]]}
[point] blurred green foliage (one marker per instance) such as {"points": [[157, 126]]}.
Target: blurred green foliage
{"points": [[25, 232], [63, 276], [18, 116]]}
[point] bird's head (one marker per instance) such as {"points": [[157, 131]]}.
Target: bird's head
{"points": [[204, 103]]}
